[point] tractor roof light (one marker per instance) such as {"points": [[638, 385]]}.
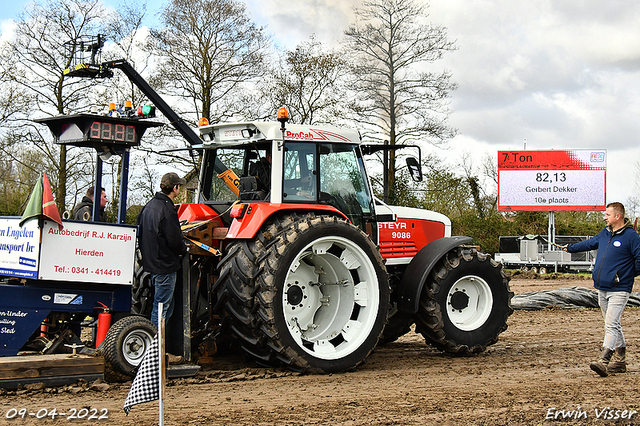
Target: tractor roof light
{"points": [[283, 118], [203, 122], [283, 115]]}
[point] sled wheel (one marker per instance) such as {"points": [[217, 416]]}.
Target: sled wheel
{"points": [[126, 343]]}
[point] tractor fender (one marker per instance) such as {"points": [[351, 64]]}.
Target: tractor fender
{"points": [[418, 270], [256, 214]]}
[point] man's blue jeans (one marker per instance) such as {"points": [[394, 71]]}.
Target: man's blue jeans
{"points": [[612, 304], [164, 285]]}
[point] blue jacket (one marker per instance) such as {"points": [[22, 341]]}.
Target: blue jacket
{"points": [[618, 259]]}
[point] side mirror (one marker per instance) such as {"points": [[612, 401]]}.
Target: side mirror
{"points": [[414, 169]]}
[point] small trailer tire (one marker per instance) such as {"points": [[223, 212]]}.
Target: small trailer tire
{"points": [[126, 343]]}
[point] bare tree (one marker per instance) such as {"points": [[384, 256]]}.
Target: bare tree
{"points": [[391, 46], [207, 50], [445, 190], [17, 174], [13, 98], [18, 164], [308, 81], [145, 183], [40, 56], [129, 42]]}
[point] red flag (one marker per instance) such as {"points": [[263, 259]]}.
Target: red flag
{"points": [[49, 208]]}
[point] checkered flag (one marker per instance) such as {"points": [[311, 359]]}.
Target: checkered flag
{"points": [[146, 384]]}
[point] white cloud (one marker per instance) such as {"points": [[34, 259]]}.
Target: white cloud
{"points": [[561, 74], [292, 22], [7, 27]]}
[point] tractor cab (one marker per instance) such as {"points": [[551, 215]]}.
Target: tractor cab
{"points": [[301, 165]]}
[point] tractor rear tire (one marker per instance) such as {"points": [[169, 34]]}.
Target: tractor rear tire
{"points": [[126, 343], [465, 304], [310, 293]]}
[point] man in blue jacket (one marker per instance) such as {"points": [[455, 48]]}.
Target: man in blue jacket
{"points": [[617, 264]]}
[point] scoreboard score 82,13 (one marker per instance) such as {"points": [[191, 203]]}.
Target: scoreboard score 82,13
{"points": [[552, 180]]}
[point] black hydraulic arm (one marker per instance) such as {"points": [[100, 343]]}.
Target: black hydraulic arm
{"points": [[175, 120]]}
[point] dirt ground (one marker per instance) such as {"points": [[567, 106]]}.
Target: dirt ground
{"points": [[535, 374]]}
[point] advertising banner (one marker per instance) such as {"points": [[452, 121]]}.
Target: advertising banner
{"points": [[19, 248], [88, 252], [552, 180]]}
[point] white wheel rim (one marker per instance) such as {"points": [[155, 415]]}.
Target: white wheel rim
{"points": [[469, 303], [330, 298], [135, 345]]}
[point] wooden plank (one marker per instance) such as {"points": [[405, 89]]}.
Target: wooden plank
{"points": [[40, 366], [220, 233], [10, 362], [49, 381], [51, 371]]}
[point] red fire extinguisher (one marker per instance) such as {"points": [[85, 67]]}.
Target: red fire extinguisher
{"points": [[104, 322], [44, 328]]}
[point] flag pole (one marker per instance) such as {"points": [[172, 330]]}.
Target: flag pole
{"points": [[161, 354]]}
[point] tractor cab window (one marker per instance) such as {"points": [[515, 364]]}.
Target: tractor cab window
{"points": [[343, 179], [225, 165], [336, 169], [226, 170], [299, 172]]}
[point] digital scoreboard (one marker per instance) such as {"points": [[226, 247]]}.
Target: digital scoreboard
{"points": [[95, 130], [552, 180]]}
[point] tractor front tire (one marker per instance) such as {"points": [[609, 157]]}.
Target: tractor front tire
{"points": [[465, 304]]}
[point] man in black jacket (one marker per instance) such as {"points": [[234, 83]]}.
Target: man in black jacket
{"points": [[161, 243], [84, 209]]}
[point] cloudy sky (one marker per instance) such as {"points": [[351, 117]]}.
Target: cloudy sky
{"points": [[560, 74]]}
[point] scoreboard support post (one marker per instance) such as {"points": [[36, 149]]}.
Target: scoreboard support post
{"points": [[97, 185]]}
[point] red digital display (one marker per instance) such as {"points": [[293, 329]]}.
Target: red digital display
{"points": [[113, 132]]}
